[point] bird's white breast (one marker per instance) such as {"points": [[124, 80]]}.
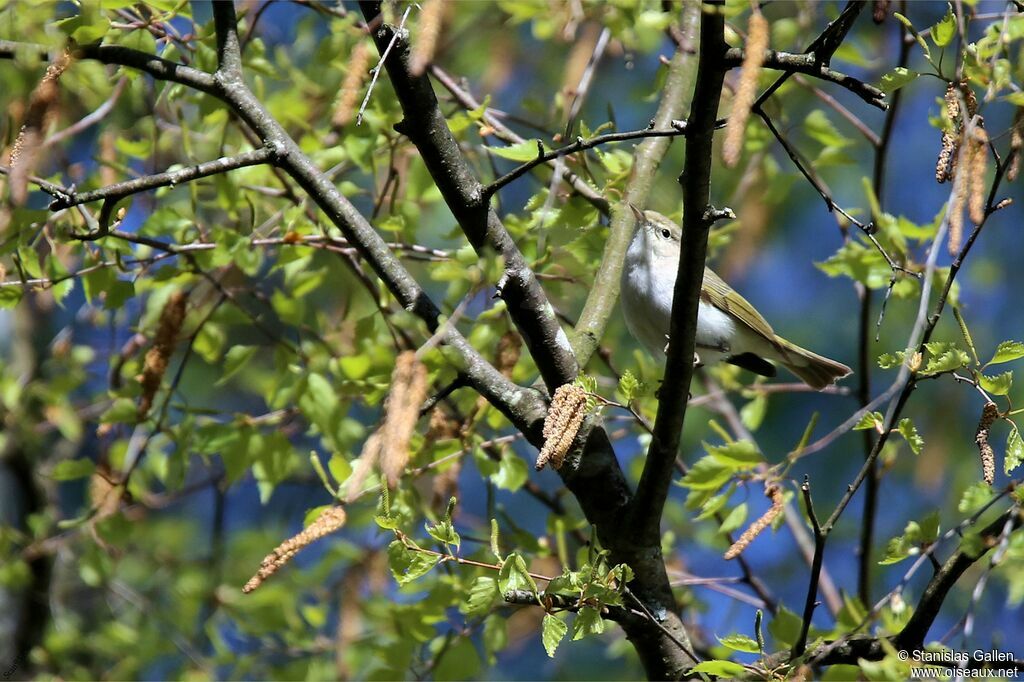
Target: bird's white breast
{"points": [[647, 288]]}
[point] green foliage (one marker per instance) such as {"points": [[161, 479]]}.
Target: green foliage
{"points": [[915, 536]]}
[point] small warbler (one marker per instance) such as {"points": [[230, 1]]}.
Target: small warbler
{"points": [[728, 327]]}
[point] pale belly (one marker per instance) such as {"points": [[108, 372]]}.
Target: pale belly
{"points": [[646, 304]]}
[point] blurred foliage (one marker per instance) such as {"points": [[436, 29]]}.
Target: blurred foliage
{"points": [[154, 518]]}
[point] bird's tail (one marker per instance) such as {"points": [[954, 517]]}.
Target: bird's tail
{"points": [[816, 371]]}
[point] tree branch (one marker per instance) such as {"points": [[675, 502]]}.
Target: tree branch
{"points": [[111, 194], [604, 292], [648, 503], [810, 65], [425, 125]]}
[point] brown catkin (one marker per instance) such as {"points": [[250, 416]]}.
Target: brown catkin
{"points": [[1016, 144], [773, 492], [879, 11], [330, 520], [425, 44], [566, 414], [946, 163], [978, 164], [26, 147], [352, 86], [746, 89], [402, 409], [155, 365], [988, 456]]}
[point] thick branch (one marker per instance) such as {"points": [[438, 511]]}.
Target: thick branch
{"points": [[649, 501], [674, 105], [425, 125]]}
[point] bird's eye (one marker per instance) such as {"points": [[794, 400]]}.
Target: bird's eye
{"points": [[665, 233]]}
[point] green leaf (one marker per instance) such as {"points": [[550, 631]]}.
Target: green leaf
{"points": [[552, 633], [859, 262], [234, 360], [975, 497], [527, 150], [897, 78], [752, 414], [408, 565], [943, 32], [483, 595], [1006, 352], [1014, 451], [944, 356], [121, 411], [727, 669], [909, 432], [740, 643], [741, 454], [629, 387], [735, 519], [890, 360], [71, 469], [512, 472], [821, 129], [444, 533], [707, 474], [515, 576], [871, 420], [587, 622], [997, 385]]}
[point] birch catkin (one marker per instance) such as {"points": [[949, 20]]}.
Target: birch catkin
{"points": [[988, 456], [172, 317], [330, 520], [425, 45], [402, 410], [746, 89], [568, 408], [352, 86], [774, 492]]}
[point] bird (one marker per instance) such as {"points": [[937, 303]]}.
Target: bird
{"points": [[729, 328]]}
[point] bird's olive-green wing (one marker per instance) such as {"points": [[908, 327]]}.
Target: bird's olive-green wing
{"points": [[721, 295]]}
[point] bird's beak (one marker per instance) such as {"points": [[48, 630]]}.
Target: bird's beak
{"points": [[637, 212]]}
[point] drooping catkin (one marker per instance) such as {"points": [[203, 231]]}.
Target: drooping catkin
{"points": [[41, 106], [155, 365], [425, 43], [566, 414], [988, 456], [978, 164], [352, 86], [774, 493], [330, 520], [946, 163], [1016, 144], [879, 11], [746, 89], [402, 409]]}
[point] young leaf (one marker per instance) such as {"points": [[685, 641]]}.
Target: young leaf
{"points": [[587, 622], [483, 594], [943, 32], [408, 565], [909, 432], [897, 78], [726, 669], [740, 643], [1007, 351], [552, 633], [997, 385], [1014, 451], [871, 420]]}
